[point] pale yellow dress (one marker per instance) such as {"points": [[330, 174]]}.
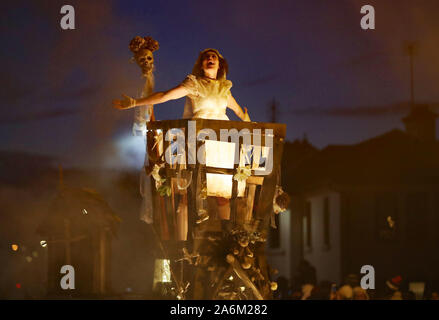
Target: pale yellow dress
{"points": [[207, 98]]}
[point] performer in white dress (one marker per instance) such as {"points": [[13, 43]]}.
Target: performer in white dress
{"points": [[207, 91]]}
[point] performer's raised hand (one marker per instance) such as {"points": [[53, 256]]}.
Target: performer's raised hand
{"points": [[232, 104], [246, 116], [126, 103]]}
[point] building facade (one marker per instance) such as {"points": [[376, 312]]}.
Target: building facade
{"points": [[374, 203]]}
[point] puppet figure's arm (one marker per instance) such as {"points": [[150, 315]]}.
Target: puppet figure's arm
{"points": [[155, 98]]}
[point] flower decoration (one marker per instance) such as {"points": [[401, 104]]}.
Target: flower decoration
{"points": [[156, 173], [151, 44], [164, 189], [281, 200], [162, 184], [242, 173], [138, 43]]}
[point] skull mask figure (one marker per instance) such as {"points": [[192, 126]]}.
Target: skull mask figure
{"points": [[142, 48], [145, 60]]}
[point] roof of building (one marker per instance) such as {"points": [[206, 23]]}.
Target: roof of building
{"points": [[392, 158], [84, 208], [420, 112]]}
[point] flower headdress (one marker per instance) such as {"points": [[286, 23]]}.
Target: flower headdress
{"points": [[139, 43]]}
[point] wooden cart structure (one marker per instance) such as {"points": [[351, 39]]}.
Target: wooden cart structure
{"points": [[212, 210]]}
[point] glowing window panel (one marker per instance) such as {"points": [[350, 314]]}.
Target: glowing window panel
{"points": [[220, 154], [220, 185], [162, 271]]}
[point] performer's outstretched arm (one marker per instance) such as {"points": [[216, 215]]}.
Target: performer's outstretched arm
{"points": [[155, 98], [232, 104]]}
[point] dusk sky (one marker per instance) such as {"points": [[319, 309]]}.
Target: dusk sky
{"points": [[334, 82]]}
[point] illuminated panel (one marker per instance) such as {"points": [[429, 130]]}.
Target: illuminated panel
{"points": [[162, 271], [220, 154], [220, 185]]}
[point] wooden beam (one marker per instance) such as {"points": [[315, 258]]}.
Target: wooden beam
{"points": [[67, 242], [102, 261], [250, 202]]}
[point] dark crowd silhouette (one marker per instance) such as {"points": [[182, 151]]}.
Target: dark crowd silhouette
{"points": [[304, 286]]}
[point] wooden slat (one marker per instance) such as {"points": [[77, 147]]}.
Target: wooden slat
{"points": [[102, 261], [265, 203], [250, 202], [259, 180]]}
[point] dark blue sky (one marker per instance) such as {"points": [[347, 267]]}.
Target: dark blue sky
{"points": [[334, 81]]}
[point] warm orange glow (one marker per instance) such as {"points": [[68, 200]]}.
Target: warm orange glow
{"points": [[220, 154], [14, 247], [220, 185], [162, 271]]}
